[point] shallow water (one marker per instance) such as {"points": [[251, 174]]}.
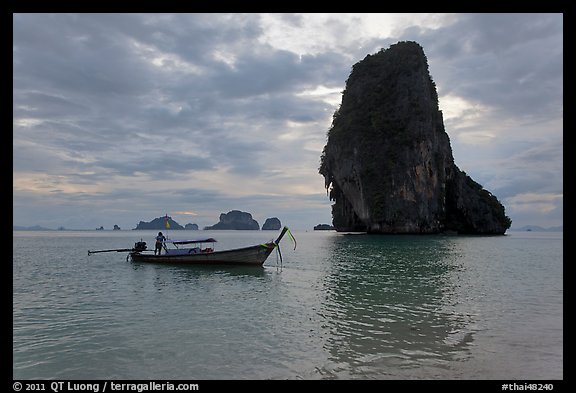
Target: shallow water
{"points": [[339, 307]]}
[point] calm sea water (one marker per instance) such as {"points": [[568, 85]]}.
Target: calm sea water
{"points": [[340, 307]]}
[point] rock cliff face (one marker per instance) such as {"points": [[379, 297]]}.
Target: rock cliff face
{"points": [[235, 219], [388, 163]]}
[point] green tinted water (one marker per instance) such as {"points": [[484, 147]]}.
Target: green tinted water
{"points": [[339, 307]]}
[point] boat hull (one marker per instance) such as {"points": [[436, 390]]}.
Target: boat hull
{"points": [[247, 256]]}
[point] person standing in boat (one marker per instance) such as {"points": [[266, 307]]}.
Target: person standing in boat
{"points": [[159, 241]]}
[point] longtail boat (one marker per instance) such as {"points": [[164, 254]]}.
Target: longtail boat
{"points": [[173, 253]]}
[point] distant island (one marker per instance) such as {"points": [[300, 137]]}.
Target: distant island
{"points": [[235, 219], [159, 223], [116, 228], [272, 224], [323, 227]]}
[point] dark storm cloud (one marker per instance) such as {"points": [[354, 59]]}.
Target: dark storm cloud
{"points": [[89, 61], [163, 166], [40, 104], [513, 62], [547, 176], [278, 71]]}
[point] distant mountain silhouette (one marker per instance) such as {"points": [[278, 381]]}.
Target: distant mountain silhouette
{"points": [[536, 228], [32, 228]]}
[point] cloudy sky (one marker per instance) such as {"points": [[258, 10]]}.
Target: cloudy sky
{"points": [[119, 118]]}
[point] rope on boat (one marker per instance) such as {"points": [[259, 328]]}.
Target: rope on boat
{"points": [[278, 252], [277, 244]]}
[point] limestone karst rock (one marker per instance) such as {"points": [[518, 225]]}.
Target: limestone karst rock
{"points": [[272, 224], [235, 219], [388, 162], [158, 223]]}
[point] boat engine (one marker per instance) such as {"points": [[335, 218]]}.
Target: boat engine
{"points": [[139, 246]]}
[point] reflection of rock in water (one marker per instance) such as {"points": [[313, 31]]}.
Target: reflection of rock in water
{"points": [[391, 303]]}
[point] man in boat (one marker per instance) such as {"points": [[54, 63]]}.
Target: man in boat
{"points": [[159, 242]]}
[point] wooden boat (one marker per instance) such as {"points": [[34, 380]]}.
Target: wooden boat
{"points": [[254, 255]]}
